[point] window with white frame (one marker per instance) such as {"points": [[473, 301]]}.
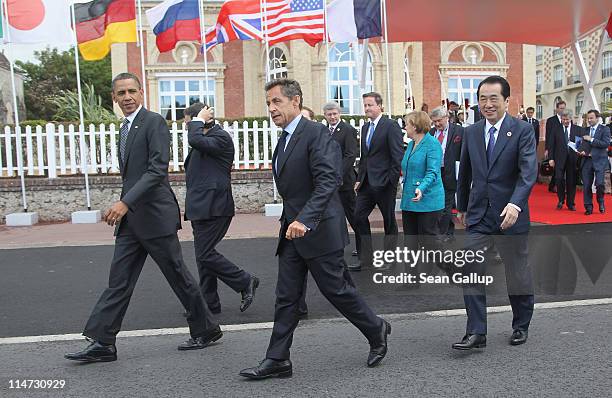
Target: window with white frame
{"points": [[606, 65], [579, 102], [344, 77], [606, 99], [278, 63], [176, 94], [538, 80], [407, 82], [464, 87], [539, 109], [558, 76]]}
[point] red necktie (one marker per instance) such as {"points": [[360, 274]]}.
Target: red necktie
{"points": [[441, 137]]}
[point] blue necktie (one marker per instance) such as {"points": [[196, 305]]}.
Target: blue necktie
{"points": [[491, 144], [592, 131], [370, 134], [123, 134]]}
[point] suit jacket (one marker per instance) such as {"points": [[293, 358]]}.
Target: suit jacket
{"points": [[308, 178], [509, 177], [421, 169], [553, 126], [208, 170], [346, 136], [536, 127], [598, 148], [559, 150], [153, 209], [477, 114], [382, 162], [452, 154]]}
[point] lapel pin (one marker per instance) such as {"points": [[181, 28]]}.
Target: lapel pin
{"points": [[136, 126], [509, 133]]}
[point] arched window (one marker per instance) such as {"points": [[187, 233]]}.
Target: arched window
{"points": [[557, 100], [344, 77], [579, 102], [539, 109], [538, 81], [278, 63], [606, 99], [407, 82], [606, 64]]}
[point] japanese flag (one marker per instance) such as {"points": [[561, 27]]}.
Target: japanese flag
{"points": [[38, 21]]}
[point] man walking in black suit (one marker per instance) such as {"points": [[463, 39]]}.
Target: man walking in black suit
{"points": [[528, 117], [563, 159], [313, 233], [450, 136], [346, 136], [553, 127], [595, 160], [209, 205], [382, 150], [497, 172], [146, 219]]}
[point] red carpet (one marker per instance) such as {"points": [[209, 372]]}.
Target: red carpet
{"points": [[543, 208]]}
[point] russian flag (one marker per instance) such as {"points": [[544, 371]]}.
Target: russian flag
{"points": [[173, 21], [350, 20]]}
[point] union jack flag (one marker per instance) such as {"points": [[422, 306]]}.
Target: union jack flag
{"points": [[274, 20]]}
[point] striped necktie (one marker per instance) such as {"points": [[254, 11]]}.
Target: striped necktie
{"points": [[123, 134]]}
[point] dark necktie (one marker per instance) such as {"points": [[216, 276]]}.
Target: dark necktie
{"points": [[123, 134], [566, 136], [331, 130], [491, 144], [280, 154]]}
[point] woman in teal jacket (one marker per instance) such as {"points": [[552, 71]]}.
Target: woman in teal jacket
{"points": [[423, 192]]}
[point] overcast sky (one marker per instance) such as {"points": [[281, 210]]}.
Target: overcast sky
{"points": [[25, 52]]}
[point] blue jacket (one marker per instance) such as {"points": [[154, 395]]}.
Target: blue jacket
{"points": [[421, 169]]}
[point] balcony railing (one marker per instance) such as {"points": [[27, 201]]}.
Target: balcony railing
{"points": [[605, 73], [558, 83], [574, 79]]}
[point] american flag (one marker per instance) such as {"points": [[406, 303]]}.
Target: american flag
{"points": [[285, 20], [294, 19]]}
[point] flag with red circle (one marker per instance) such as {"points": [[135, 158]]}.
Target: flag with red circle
{"points": [[38, 21]]}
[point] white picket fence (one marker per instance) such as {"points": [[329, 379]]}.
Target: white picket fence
{"points": [[54, 150]]}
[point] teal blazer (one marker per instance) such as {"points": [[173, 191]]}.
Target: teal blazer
{"points": [[421, 169]]}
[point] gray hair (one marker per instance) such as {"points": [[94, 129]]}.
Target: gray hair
{"points": [[330, 106], [439, 112], [126, 76], [566, 112], [289, 88]]}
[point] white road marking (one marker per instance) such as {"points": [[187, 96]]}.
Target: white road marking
{"points": [[268, 325]]}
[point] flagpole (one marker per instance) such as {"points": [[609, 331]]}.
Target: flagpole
{"points": [[84, 165], [384, 9], [204, 52], [140, 43], [15, 111], [326, 55], [409, 82]]}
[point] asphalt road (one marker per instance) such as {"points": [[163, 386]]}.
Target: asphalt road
{"points": [[567, 355], [52, 290]]}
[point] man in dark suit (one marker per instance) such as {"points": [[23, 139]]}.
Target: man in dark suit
{"points": [[497, 172], [564, 159], [450, 136], [346, 136], [146, 219], [209, 205], [313, 233], [528, 117], [382, 150], [553, 127], [477, 114], [595, 161]]}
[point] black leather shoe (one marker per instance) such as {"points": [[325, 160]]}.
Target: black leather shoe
{"points": [[202, 341], [571, 208], [588, 212], [602, 208], [354, 267], [518, 337], [378, 350], [354, 253], [269, 368], [248, 294], [559, 205], [303, 314], [470, 341], [96, 352]]}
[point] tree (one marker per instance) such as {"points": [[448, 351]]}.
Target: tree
{"points": [[67, 103], [55, 72]]}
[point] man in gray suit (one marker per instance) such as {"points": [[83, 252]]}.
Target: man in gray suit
{"points": [[497, 171], [146, 219]]}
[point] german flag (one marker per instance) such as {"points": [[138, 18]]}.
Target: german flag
{"points": [[100, 23]]}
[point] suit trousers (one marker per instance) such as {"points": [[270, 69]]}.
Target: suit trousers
{"points": [[212, 265], [446, 224], [128, 260], [349, 199], [566, 182], [334, 282], [590, 173], [421, 230], [367, 198], [513, 250]]}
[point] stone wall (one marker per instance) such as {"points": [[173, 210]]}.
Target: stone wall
{"points": [[55, 199]]}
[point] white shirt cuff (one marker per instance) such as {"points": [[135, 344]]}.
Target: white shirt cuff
{"points": [[515, 206], [197, 119]]}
